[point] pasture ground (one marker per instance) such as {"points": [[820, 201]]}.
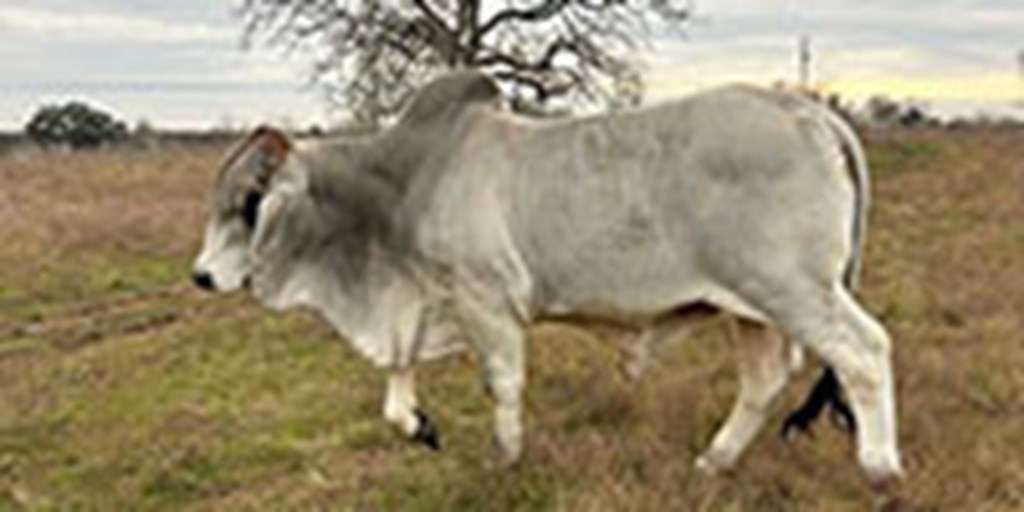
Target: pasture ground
{"points": [[121, 388]]}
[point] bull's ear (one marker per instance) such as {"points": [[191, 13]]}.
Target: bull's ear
{"points": [[253, 163], [273, 146]]}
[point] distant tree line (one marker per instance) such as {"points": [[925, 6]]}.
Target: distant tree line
{"points": [[885, 111], [78, 125]]}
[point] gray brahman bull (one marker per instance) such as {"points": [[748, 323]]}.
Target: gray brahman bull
{"points": [[463, 224]]}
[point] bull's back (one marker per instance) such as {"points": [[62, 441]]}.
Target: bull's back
{"points": [[634, 213]]}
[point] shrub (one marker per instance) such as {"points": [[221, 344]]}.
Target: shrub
{"points": [[76, 125]]}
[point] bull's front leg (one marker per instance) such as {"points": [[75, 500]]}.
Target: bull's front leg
{"points": [[500, 342], [400, 409], [504, 374]]}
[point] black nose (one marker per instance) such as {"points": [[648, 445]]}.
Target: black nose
{"points": [[203, 279]]}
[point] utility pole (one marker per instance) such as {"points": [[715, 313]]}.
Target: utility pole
{"points": [[804, 62], [1020, 63], [1020, 72]]}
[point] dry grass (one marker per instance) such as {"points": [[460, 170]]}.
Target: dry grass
{"points": [[120, 388]]}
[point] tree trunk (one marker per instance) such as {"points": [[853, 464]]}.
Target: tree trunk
{"points": [[467, 24]]}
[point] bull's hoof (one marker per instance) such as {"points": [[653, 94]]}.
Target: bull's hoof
{"points": [[712, 463], [883, 469], [426, 433], [632, 370], [887, 494], [505, 460]]}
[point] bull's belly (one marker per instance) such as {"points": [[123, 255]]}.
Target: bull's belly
{"points": [[643, 300]]}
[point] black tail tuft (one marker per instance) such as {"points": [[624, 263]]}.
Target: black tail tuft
{"points": [[826, 392]]}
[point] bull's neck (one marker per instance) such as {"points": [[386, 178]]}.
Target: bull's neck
{"points": [[349, 259]]}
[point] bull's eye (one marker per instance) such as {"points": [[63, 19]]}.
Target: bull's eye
{"points": [[251, 208]]}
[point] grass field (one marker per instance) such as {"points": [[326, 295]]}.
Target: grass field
{"points": [[121, 388]]}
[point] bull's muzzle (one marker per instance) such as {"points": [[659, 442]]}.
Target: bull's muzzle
{"points": [[203, 279]]}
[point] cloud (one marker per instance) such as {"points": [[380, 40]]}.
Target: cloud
{"points": [[62, 25], [995, 88], [949, 50]]}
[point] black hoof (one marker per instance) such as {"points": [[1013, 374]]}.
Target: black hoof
{"points": [[426, 433]]}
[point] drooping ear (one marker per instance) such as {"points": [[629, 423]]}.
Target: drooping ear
{"points": [[273, 146], [257, 158], [251, 165]]}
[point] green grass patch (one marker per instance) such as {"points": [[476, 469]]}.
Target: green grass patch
{"points": [[906, 154]]}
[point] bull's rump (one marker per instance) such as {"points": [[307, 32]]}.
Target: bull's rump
{"points": [[637, 213]]}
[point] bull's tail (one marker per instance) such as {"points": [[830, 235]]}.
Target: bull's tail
{"points": [[857, 167], [827, 390]]}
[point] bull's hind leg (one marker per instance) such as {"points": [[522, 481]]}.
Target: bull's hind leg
{"points": [[639, 352], [831, 323], [764, 363]]}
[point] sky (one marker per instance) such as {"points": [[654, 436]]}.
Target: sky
{"points": [[181, 64]]}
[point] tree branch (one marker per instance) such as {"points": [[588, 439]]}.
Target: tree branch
{"points": [[544, 63], [444, 36], [432, 16], [544, 11]]}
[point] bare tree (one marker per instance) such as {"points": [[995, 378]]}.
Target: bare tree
{"points": [[371, 54]]}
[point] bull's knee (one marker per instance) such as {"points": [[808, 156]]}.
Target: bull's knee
{"points": [[864, 371]]}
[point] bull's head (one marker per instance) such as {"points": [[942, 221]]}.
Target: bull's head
{"points": [[237, 207]]}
